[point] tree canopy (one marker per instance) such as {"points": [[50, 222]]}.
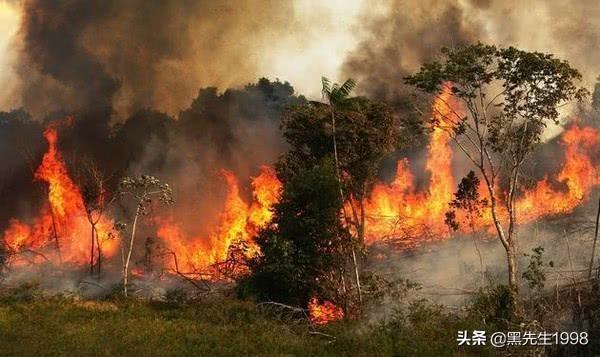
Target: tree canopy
{"points": [[497, 103], [302, 249]]}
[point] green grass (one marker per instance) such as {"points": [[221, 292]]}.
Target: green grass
{"points": [[60, 326]]}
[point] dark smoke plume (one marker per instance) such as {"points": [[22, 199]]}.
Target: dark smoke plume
{"points": [[396, 41], [89, 55]]}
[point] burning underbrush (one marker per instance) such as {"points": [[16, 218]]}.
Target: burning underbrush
{"points": [[395, 211], [75, 236]]}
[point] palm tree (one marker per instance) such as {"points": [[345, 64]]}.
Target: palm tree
{"points": [[337, 97]]}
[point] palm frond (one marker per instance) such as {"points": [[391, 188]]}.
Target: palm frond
{"points": [[346, 88], [326, 89]]}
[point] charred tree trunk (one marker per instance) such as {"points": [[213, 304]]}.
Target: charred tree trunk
{"points": [[55, 231]]}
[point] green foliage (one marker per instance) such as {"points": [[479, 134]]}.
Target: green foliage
{"points": [[502, 99], [66, 327], [534, 274], [380, 290], [301, 251], [424, 329], [366, 131], [337, 95], [62, 327], [466, 199], [532, 87], [491, 305]]}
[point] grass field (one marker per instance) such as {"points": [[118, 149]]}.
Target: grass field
{"points": [[61, 326]]}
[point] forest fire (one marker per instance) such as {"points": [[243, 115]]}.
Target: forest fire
{"points": [[238, 222], [323, 313], [398, 210], [299, 177], [578, 174], [61, 230], [62, 223]]}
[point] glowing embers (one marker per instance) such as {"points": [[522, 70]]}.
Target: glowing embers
{"points": [[323, 313]]}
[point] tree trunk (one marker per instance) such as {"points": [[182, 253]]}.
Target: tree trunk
{"points": [[92, 251], [595, 240], [475, 238], [513, 286], [362, 231], [128, 259], [509, 247], [356, 275], [56, 236], [513, 283], [339, 179], [99, 251]]}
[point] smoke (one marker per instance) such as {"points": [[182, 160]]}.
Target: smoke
{"points": [[397, 38], [237, 130], [400, 35], [450, 272], [132, 55], [8, 28], [136, 54], [395, 43], [567, 30]]}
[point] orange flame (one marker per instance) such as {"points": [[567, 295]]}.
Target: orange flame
{"points": [[238, 222], [397, 210], [393, 210], [398, 206], [578, 174], [62, 224], [323, 313]]}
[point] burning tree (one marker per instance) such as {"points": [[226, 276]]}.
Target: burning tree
{"points": [[96, 197], [510, 96], [143, 190], [356, 133], [303, 251]]}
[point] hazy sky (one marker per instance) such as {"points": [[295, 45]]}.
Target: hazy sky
{"points": [[9, 24], [233, 43], [316, 44]]}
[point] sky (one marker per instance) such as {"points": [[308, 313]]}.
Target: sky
{"points": [[9, 25]]}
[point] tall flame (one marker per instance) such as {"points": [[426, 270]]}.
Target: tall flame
{"points": [[397, 210], [578, 174], [62, 226], [238, 222], [397, 207]]}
